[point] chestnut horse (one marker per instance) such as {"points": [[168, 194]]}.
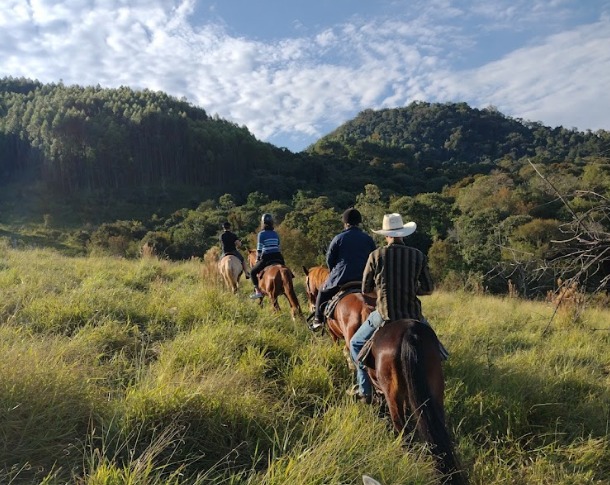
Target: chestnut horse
{"points": [[276, 280], [405, 365], [350, 312], [314, 279], [230, 269]]}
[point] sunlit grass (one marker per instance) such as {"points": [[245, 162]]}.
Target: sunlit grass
{"points": [[117, 371]]}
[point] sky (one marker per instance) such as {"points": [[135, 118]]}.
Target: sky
{"points": [[292, 71]]}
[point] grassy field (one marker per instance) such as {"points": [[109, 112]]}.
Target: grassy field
{"points": [[149, 372]]}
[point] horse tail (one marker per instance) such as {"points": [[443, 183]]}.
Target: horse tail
{"points": [[289, 290], [430, 416]]}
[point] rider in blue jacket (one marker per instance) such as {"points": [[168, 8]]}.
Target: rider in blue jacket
{"points": [[346, 258]]}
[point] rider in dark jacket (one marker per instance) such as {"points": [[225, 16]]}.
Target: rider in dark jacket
{"points": [[346, 258]]}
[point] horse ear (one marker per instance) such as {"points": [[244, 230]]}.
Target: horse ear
{"points": [[305, 270], [369, 481]]}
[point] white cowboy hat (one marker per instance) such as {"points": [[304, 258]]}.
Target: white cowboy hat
{"points": [[393, 226]]}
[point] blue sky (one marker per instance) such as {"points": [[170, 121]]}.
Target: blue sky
{"points": [[292, 71]]}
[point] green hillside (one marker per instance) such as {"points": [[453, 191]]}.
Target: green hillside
{"points": [[90, 138], [430, 145], [125, 144]]}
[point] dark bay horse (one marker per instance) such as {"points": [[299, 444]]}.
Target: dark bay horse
{"points": [[405, 365], [314, 279], [276, 280]]}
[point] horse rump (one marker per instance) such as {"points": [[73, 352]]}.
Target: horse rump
{"points": [[421, 367]]}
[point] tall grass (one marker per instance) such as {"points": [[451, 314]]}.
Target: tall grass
{"points": [[149, 372]]}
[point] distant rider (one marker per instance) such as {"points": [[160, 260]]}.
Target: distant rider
{"points": [[267, 252], [229, 243]]}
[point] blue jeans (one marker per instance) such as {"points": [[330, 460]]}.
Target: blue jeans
{"points": [[364, 333]]}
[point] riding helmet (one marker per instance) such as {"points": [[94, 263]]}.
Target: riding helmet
{"points": [[267, 219], [352, 217]]}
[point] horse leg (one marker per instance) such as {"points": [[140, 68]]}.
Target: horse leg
{"points": [[228, 281], [275, 303], [348, 357], [288, 290], [388, 381]]}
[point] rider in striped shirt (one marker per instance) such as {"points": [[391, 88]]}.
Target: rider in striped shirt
{"points": [[267, 252], [398, 274]]}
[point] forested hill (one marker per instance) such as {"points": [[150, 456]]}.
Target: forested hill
{"points": [[90, 139], [76, 138], [427, 135]]}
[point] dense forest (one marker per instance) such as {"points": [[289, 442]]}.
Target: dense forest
{"points": [[76, 138], [500, 202]]}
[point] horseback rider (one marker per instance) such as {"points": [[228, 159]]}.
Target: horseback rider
{"points": [[267, 252], [229, 242], [346, 257], [399, 274]]}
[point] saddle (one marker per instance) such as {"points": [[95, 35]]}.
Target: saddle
{"points": [[345, 289], [365, 357]]}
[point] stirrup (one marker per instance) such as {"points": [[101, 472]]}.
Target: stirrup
{"points": [[315, 325]]}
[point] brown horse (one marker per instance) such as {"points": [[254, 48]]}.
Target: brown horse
{"points": [[276, 280], [405, 365], [314, 279], [230, 269], [350, 312]]}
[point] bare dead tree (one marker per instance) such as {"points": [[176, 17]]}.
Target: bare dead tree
{"points": [[584, 254]]}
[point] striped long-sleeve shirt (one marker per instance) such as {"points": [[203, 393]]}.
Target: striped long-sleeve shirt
{"points": [[398, 273], [268, 242]]}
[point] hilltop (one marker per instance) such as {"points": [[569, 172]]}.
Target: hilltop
{"points": [[430, 145]]}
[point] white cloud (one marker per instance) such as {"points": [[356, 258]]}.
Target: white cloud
{"points": [[300, 88], [561, 81]]}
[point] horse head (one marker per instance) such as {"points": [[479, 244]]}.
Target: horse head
{"points": [[251, 257]]}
